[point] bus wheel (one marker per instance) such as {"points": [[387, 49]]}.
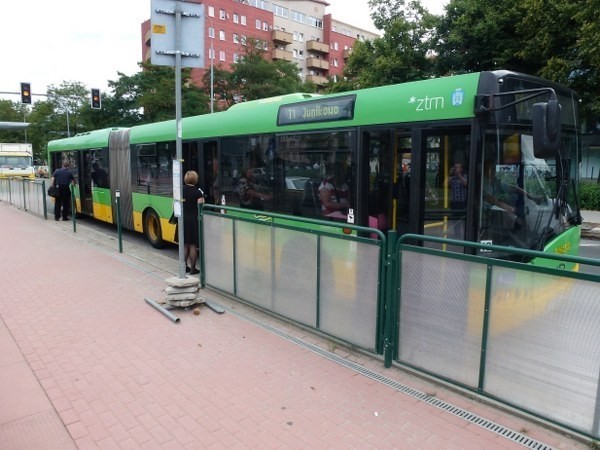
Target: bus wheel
{"points": [[152, 229]]}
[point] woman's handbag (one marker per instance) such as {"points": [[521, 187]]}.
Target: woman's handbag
{"points": [[53, 191]]}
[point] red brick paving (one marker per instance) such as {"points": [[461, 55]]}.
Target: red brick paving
{"points": [[86, 363]]}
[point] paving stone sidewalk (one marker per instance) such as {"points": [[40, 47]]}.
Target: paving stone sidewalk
{"points": [[86, 363]]}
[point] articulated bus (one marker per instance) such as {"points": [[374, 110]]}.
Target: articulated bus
{"points": [[394, 150]]}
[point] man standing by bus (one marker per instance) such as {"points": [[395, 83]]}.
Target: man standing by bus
{"points": [[62, 178]]}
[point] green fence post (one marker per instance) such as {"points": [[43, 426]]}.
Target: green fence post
{"points": [[201, 245], [391, 268], [73, 209], [44, 198], [119, 231]]}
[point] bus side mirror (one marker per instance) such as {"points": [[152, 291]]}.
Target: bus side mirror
{"points": [[546, 129]]}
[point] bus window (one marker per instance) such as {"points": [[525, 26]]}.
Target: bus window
{"points": [[379, 165], [317, 172]]}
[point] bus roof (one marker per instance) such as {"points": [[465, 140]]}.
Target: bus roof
{"points": [[432, 99], [87, 140]]}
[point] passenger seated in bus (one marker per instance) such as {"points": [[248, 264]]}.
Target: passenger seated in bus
{"points": [[250, 196], [334, 198]]}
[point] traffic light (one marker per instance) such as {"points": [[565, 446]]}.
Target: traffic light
{"points": [[26, 93], [96, 103]]}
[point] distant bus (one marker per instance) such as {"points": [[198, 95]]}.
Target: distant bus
{"points": [[16, 161], [392, 150]]}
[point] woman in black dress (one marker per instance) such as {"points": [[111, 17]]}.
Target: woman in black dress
{"points": [[192, 196]]}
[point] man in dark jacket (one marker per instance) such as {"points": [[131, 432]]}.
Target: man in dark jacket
{"points": [[62, 178]]}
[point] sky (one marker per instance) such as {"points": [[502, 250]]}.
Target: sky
{"points": [[48, 42]]}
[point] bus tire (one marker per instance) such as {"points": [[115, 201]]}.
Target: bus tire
{"points": [[152, 229]]}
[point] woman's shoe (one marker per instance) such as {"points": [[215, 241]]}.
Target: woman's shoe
{"points": [[194, 271], [187, 269]]}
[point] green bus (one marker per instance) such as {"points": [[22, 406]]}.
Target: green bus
{"points": [[489, 157]]}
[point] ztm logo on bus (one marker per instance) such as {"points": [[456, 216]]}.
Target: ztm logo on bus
{"points": [[457, 97], [427, 103]]}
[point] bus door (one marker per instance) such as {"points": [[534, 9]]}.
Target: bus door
{"points": [[85, 182], [402, 178], [443, 182], [208, 171], [201, 156]]}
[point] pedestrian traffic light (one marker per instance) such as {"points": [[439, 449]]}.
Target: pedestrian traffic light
{"points": [[26, 93], [96, 102]]}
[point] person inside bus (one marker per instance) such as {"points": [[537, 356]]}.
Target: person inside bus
{"points": [[99, 175], [250, 196], [63, 179], [334, 197], [192, 197], [458, 188]]}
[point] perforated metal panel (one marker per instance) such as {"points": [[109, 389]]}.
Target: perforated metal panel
{"points": [[254, 263], [218, 243], [295, 276], [543, 349], [441, 315], [348, 290]]}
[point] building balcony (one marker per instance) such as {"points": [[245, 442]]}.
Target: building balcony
{"points": [[317, 47], [317, 79], [317, 63], [282, 37], [281, 54], [347, 53]]}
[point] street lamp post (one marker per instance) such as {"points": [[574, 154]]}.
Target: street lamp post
{"points": [[212, 58]]}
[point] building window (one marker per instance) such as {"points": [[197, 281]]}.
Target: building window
{"points": [[222, 35], [221, 55], [211, 11], [295, 54], [301, 54], [236, 57], [211, 53], [236, 38], [236, 18], [258, 24], [301, 37], [265, 26], [295, 35], [243, 20], [211, 32], [335, 45], [334, 62], [243, 40]]}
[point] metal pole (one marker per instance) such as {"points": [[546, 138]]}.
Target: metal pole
{"points": [[68, 129], [212, 73], [119, 230], [178, 143], [161, 309]]}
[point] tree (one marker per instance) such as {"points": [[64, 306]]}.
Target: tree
{"points": [[473, 36], [402, 54]]}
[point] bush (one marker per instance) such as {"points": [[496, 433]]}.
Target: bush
{"points": [[590, 195]]}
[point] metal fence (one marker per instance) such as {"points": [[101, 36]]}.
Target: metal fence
{"points": [[522, 334], [306, 270], [29, 195]]}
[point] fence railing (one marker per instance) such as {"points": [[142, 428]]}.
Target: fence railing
{"points": [[522, 334], [309, 271], [29, 195]]}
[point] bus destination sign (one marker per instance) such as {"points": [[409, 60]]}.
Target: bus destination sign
{"points": [[321, 110]]}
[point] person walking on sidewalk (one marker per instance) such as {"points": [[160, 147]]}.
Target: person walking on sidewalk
{"points": [[63, 179]]}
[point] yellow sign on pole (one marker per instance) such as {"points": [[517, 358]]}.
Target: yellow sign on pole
{"points": [[159, 29]]}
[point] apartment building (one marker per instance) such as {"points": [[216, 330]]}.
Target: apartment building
{"points": [[298, 31]]}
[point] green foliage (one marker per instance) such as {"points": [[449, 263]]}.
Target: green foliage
{"points": [[401, 54], [590, 196]]}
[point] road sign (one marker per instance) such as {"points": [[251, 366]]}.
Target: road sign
{"points": [[165, 34]]}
